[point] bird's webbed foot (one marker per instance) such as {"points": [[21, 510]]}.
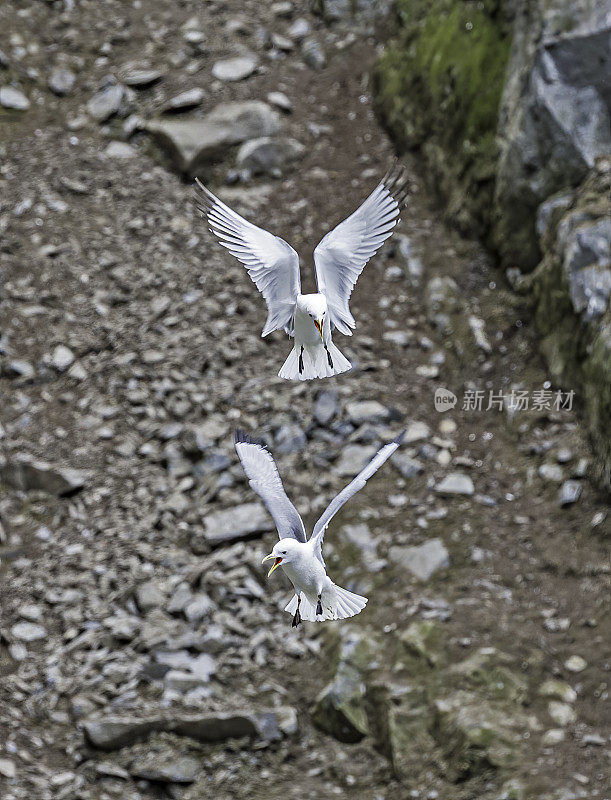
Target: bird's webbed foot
{"points": [[301, 360], [296, 619], [329, 359], [319, 607]]}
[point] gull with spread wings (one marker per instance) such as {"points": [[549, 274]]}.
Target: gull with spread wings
{"points": [[316, 597], [339, 259]]}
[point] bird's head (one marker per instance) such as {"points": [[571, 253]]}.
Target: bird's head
{"points": [[285, 551], [315, 305]]}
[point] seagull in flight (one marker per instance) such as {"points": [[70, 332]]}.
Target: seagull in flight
{"points": [[339, 259], [316, 597]]}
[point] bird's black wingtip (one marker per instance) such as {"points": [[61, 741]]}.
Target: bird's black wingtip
{"points": [[240, 437], [398, 183], [400, 437]]}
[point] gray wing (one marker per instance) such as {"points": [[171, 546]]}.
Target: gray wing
{"points": [[272, 264], [341, 256], [264, 479], [353, 487]]}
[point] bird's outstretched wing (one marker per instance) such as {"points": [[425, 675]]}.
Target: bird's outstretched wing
{"points": [[263, 477], [353, 487], [271, 262], [341, 256]]}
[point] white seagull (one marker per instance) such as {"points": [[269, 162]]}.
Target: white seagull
{"points": [[339, 259], [316, 597]]}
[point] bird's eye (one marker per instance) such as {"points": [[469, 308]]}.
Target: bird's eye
{"points": [[284, 552]]}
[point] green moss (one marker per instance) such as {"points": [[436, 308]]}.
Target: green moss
{"points": [[440, 83]]}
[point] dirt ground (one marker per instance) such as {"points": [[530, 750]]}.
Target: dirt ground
{"points": [[108, 257]]}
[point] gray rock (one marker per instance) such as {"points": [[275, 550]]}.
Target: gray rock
{"points": [[570, 492], [185, 100], [562, 713], [326, 407], [575, 663], [340, 707], [455, 483], [26, 474], [113, 732], [300, 29], [558, 690], [106, 103], [28, 631], [360, 411], [13, 98], [416, 432], [61, 81], [62, 358], [119, 150], [422, 561], [193, 142], [280, 100], [141, 78], [7, 768], [353, 458], [166, 767], [22, 369], [407, 467], [241, 522], [359, 536], [150, 595], [587, 266], [551, 472], [267, 155], [290, 439], [313, 54], [235, 69], [549, 210], [198, 607], [555, 115]]}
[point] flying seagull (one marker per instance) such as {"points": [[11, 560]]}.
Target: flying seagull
{"points": [[339, 259], [316, 597]]}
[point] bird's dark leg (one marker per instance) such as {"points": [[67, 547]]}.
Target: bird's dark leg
{"points": [[319, 606], [301, 360], [297, 617], [329, 359]]}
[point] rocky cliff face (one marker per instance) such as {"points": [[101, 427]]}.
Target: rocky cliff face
{"points": [[572, 287], [555, 114], [509, 102]]}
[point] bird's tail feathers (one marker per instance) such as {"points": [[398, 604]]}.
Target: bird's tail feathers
{"points": [[315, 362], [337, 603]]}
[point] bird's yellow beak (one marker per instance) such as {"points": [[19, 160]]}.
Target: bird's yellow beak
{"points": [[277, 562], [318, 325]]}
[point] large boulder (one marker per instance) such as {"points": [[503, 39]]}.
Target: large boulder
{"points": [[555, 114], [340, 708], [477, 735], [508, 101], [572, 286], [192, 143]]}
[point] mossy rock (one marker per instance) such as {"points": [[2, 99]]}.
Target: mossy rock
{"points": [[486, 672], [411, 745], [478, 735], [340, 708], [423, 640], [577, 349], [439, 86]]}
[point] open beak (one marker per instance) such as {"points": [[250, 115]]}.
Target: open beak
{"points": [[318, 325], [277, 562]]}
